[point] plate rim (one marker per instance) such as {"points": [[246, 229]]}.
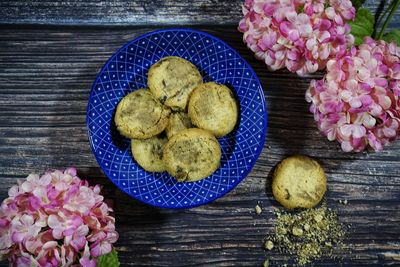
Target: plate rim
{"points": [[260, 146]]}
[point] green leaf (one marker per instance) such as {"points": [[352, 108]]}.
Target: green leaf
{"points": [[108, 260], [363, 25], [393, 36], [357, 3]]}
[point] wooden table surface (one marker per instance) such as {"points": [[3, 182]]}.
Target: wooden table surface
{"points": [[51, 52]]}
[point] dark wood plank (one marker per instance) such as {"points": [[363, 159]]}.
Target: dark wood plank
{"points": [[45, 78], [127, 12]]}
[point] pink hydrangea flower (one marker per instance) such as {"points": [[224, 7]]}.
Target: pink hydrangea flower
{"points": [[358, 101], [55, 219], [301, 35]]}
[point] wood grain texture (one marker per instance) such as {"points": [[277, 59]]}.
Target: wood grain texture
{"points": [[128, 12], [45, 77]]}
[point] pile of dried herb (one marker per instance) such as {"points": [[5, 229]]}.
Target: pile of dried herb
{"points": [[307, 235]]}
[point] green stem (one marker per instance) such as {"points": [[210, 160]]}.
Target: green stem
{"points": [[388, 19], [379, 20]]}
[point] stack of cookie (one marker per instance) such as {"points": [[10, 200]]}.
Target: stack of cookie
{"points": [[174, 124]]}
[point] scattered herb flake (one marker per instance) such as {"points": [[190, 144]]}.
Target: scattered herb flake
{"points": [[307, 234], [258, 209]]}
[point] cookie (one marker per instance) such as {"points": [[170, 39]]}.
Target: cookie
{"points": [[140, 115], [298, 182], [172, 79], [148, 153], [212, 107], [192, 155], [178, 121]]}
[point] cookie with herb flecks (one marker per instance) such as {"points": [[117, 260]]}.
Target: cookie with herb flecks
{"points": [[191, 155], [298, 182], [213, 107], [172, 79], [140, 115], [148, 153]]}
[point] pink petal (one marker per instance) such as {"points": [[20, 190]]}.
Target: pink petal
{"points": [[78, 243], [71, 171], [325, 53], [45, 180], [33, 178], [82, 230], [3, 223], [330, 13], [17, 237], [324, 36], [68, 231], [269, 39], [34, 203], [285, 28], [269, 9], [86, 262], [293, 55], [112, 236], [338, 20], [366, 100], [346, 130], [363, 73], [359, 131], [294, 35], [22, 262], [348, 14], [27, 186], [303, 19], [57, 233], [311, 66], [76, 221], [365, 55], [53, 221], [95, 249], [355, 102], [308, 9], [346, 146], [311, 43], [325, 25], [384, 101], [41, 193], [13, 191], [291, 16], [389, 132], [49, 245], [374, 142], [26, 220]]}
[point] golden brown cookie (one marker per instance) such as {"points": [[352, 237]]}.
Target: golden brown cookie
{"points": [[191, 155], [140, 115], [212, 107], [178, 121], [298, 182], [148, 153], [172, 79]]}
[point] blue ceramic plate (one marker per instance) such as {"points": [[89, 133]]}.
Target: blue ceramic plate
{"points": [[126, 71]]}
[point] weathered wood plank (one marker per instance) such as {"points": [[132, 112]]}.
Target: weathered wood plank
{"points": [[45, 78], [126, 12]]}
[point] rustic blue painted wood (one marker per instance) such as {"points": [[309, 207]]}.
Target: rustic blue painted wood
{"points": [[126, 12]]}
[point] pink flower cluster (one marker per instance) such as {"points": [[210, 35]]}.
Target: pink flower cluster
{"points": [[358, 101], [301, 35], [55, 219]]}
